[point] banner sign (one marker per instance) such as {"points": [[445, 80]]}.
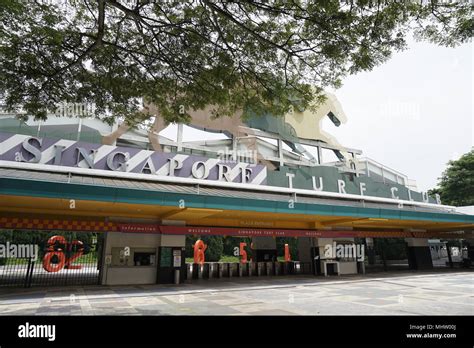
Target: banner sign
{"points": [[138, 228], [101, 226], [69, 153], [252, 232]]}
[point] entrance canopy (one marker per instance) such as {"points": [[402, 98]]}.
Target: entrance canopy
{"points": [[73, 201]]}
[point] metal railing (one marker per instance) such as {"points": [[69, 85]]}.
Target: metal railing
{"points": [[66, 259]]}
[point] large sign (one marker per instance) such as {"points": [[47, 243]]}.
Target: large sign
{"points": [[255, 232], [68, 153], [100, 226], [23, 148]]}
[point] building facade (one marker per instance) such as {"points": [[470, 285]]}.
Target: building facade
{"points": [[127, 198]]}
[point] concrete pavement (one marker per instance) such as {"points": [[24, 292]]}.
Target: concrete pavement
{"points": [[401, 293]]}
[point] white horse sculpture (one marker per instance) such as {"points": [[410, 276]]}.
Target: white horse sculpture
{"points": [[296, 125]]}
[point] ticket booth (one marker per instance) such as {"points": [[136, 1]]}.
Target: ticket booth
{"points": [[130, 258], [143, 258]]}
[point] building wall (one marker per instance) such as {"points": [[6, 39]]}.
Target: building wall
{"points": [[264, 249], [168, 240], [267, 243]]}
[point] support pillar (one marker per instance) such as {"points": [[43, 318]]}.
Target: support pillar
{"points": [[369, 243], [450, 258], [304, 249], [419, 254], [468, 259], [470, 249], [306, 254]]}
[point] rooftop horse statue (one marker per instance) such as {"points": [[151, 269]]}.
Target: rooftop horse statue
{"points": [[299, 124]]}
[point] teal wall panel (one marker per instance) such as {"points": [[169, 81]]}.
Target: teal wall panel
{"points": [[34, 188]]}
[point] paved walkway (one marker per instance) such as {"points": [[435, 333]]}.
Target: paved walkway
{"points": [[404, 293]]}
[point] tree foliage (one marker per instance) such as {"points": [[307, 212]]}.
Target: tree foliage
{"points": [[391, 248], [183, 55], [215, 248], [292, 244], [456, 185]]}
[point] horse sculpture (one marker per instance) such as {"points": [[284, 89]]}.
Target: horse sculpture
{"points": [[299, 124]]}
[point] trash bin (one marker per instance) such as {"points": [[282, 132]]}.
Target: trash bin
{"points": [[176, 276]]}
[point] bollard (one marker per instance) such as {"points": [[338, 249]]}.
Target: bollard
{"points": [[269, 269], [291, 267], [205, 271], [200, 271], [244, 269], [211, 270], [195, 269], [297, 268], [189, 271]]}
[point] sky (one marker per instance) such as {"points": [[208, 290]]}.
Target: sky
{"points": [[413, 114]]}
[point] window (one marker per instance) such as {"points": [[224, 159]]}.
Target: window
{"points": [[134, 257], [143, 259]]}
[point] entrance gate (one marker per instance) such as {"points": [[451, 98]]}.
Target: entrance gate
{"points": [[50, 258], [388, 254]]}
